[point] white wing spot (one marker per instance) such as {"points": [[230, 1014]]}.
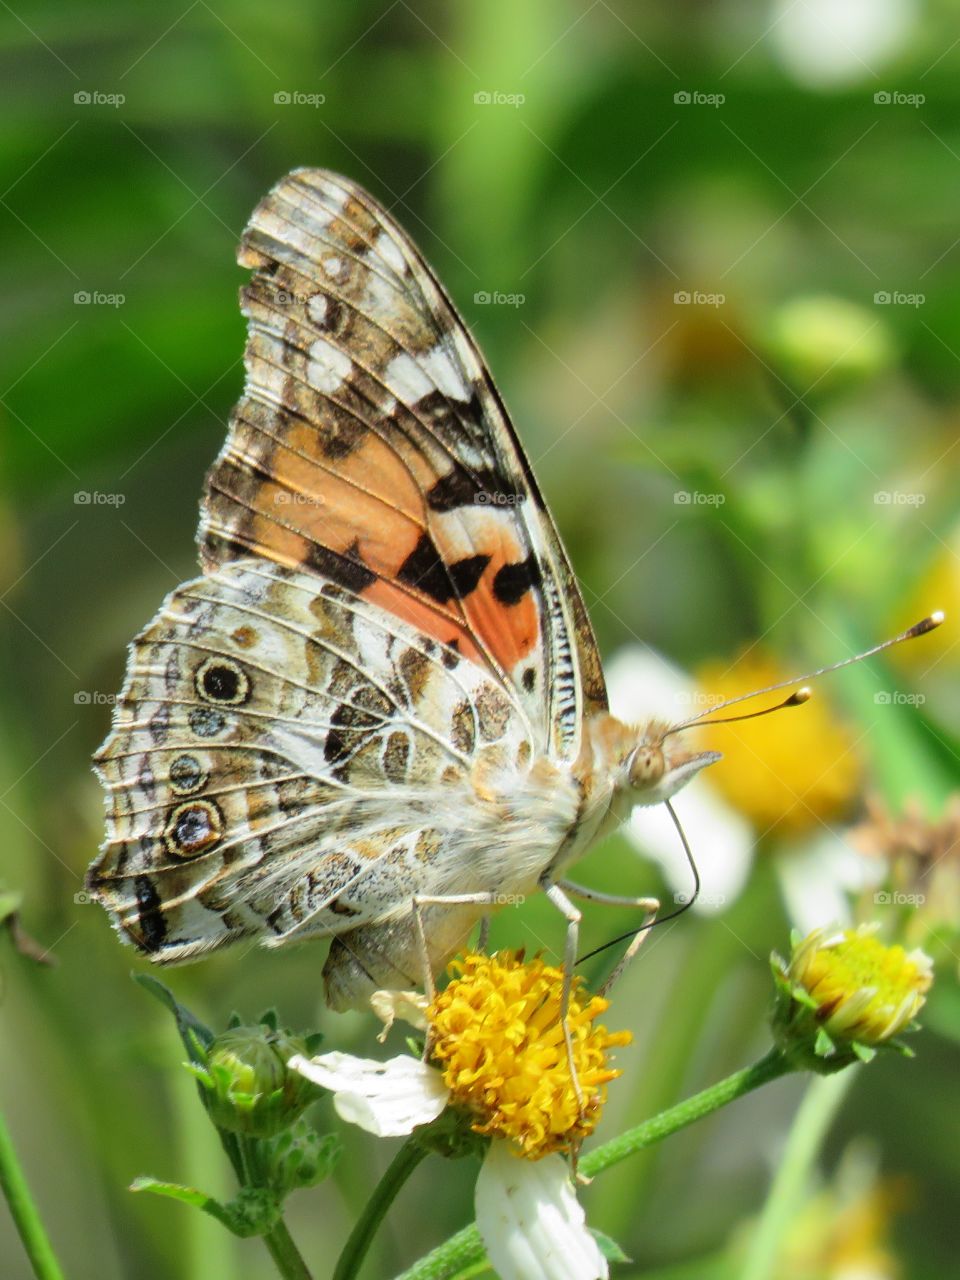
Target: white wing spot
{"points": [[333, 266], [328, 366], [406, 379], [411, 379], [388, 249], [317, 308]]}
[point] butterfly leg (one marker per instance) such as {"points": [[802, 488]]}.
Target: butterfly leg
{"points": [[483, 935], [440, 900], [573, 915], [649, 906]]}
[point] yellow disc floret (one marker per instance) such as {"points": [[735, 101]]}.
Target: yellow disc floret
{"points": [[497, 1036], [863, 990]]}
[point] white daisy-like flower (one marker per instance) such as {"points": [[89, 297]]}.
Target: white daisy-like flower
{"points": [[816, 869], [496, 1058]]}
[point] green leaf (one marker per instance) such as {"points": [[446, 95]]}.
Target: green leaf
{"points": [[188, 1025], [609, 1247]]}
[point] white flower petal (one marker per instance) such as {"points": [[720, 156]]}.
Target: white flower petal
{"points": [[720, 838], [411, 1006], [641, 683], [532, 1225], [385, 1098]]}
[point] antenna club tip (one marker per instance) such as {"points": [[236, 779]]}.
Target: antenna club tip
{"points": [[930, 623], [801, 696]]}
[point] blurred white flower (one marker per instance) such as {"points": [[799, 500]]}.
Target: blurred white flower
{"points": [[826, 43], [816, 875]]}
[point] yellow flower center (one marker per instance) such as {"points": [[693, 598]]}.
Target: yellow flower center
{"points": [[789, 772], [498, 1039], [864, 990]]}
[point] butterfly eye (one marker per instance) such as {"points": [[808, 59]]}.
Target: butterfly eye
{"points": [[646, 766], [222, 680]]}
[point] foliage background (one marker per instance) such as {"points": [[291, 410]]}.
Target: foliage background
{"points": [[597, 199]]}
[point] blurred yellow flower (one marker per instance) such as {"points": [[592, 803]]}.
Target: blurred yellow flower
{"points": [[823, 341], [789, 772]]}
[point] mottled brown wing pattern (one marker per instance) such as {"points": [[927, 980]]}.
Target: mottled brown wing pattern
{"points": [[371, 448], [288, 760]]}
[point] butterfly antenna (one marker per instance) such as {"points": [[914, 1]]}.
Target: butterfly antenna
{"points": [[930, 623], [685, 905]]}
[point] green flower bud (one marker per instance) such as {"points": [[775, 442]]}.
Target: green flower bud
{"points": [[249, 1088], [825, 341], [845, 994]]}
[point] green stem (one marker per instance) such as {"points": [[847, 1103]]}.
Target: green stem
{"points": [[400, 1169], [285, 1253], [449, 1258], [24, 1211], [811, 1123]]}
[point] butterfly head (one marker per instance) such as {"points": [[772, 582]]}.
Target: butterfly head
{"points": [[659, 764]]}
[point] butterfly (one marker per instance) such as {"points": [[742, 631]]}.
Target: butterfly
{"points": [[383, 689]]}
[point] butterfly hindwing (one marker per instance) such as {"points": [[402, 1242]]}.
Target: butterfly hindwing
{"points": [[286, 759], [372, 448]]}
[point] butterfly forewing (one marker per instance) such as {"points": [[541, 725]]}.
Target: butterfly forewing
{"points": [[371, 447]]}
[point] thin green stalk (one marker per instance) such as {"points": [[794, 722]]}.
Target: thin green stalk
{"points": [[400, 1169], [464, 1248], [810, 1126], [285, 1253], [24, 1212]]}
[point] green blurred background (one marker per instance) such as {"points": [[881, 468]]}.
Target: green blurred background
{"points": [[733, 154]]}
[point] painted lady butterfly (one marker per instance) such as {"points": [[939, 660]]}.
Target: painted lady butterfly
{"points": [[384, 686]]}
